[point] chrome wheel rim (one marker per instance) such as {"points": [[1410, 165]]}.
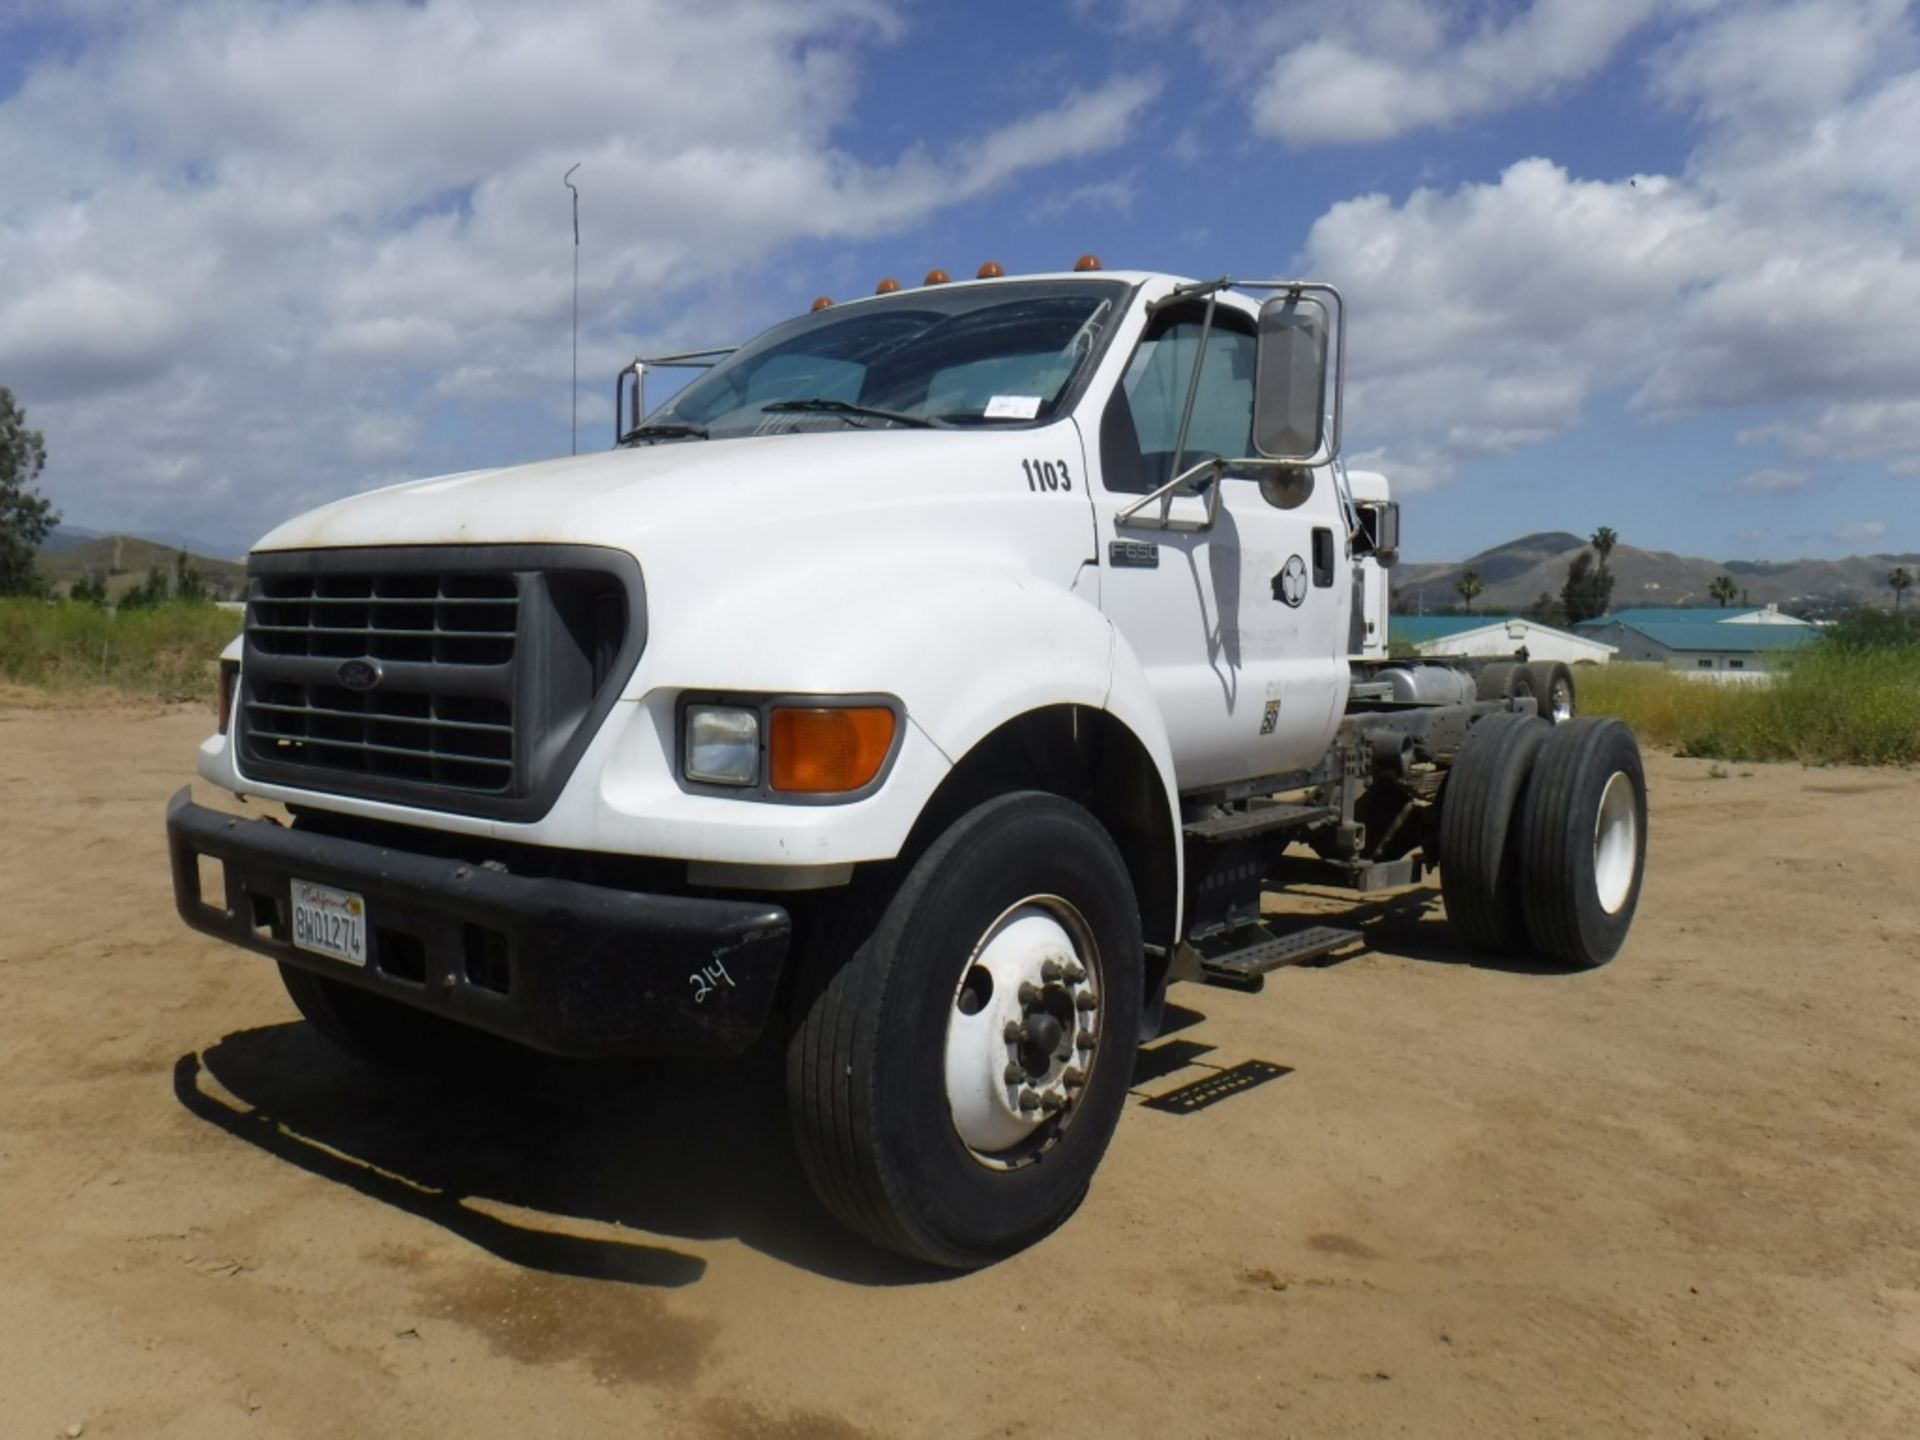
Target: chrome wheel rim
{"points": [[1616, 837]]}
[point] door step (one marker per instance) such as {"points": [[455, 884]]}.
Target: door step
{"points": [[1263, 820], [1261, 950]]}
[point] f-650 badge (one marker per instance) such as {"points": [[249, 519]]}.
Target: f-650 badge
{"points": [[1290, 584]]}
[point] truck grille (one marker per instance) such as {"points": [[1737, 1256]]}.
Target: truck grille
{"points": [[457, 678]]}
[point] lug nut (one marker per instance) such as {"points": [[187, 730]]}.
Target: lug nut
{"points": [[1029, 1100], [1052, 1101], [1013, 1032], [1014, 1074], [1084, 1041], [1051, 971], [1084, 1001], [1074, 1078], [1029, 993], [1076, 972]]}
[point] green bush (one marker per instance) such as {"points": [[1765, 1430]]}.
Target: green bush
{"points": [[1834, 704], [165, 650]]}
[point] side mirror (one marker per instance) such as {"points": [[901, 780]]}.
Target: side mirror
{"points": [[1386, 530], [1290, 380], [631, 381]]}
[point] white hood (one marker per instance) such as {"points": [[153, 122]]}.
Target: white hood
{"points": [[621, 497]]}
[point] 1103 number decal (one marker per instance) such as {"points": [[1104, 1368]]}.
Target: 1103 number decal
{"points": [[1047, 475]]}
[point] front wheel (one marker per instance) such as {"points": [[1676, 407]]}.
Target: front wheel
{"points": [[954, 1081], [389, 1035]]}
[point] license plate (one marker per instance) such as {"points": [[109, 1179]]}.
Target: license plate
{"points": [[330, 922]]}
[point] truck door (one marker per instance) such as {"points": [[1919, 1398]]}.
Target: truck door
{"points": [[1241, 626]]}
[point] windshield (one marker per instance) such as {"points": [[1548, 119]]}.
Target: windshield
{"points": [[958, 355]]}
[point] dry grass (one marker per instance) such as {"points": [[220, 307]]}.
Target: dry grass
{"points": [[166, 652], [1830, 706]]}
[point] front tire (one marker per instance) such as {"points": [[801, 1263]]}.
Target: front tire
{"points": [[387, 1034], [954, 1081]]}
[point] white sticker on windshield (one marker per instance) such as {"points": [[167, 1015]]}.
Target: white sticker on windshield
{"points": [[1012, 407]]}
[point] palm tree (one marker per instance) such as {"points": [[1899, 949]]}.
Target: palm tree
{"points": [[1603, 542], [1469, 585], [1723, 589], [1899, 579]]}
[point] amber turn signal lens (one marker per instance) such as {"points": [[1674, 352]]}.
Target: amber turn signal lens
{"points": [[822, 302], [989, 271], [887, 286], [229, 682], [828, 751]]}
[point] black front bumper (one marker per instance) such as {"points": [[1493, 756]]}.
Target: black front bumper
{"points": [[558, 965]]}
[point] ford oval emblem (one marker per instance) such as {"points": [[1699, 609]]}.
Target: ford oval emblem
{"points": [[359, 674]]}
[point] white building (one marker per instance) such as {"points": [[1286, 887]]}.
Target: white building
{"points": [[1495, 635]]}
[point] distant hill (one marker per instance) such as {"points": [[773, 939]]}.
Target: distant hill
{"points": [[71, 537], [123, 561], [1515, 575]]}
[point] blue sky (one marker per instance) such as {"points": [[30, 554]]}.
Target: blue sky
{"points": [[1650, 264]]}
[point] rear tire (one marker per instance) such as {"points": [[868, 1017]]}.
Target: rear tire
{"points": [[1479, 861], [1583, 842], [901, 1075], [1504, 680], [1553, 690], [387, 1034]]}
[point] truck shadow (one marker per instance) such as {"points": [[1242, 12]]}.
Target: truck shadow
{"points": [[1412, 926], [688, 1149]]}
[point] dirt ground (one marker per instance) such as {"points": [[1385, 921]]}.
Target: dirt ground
{"points": [[1680, 1196]]}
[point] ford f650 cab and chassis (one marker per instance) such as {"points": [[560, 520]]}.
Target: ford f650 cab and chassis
{"points": [[922, 689]]}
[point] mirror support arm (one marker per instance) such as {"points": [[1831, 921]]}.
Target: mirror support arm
{"points": [[1193, 392]]}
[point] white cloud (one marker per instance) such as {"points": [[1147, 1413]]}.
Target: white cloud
{"points": [[383, 437], [266, 231], [1779, 270], [1794, 61], [1770, 482], [1378, 75], [1865, 532], [1114, 196]]}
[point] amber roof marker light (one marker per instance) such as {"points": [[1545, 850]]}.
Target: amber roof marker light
{"points": [[989, 271], [936, 276], [1087, 262], [822, 302], [886, 286]]}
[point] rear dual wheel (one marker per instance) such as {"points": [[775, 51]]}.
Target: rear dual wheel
{"points": [[1548, 683], [954, 1080], [1583, 842], [1480, 863], [1553, 690], [1542, 838]]}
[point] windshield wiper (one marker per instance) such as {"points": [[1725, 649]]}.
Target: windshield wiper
{"points": [[665, 431], [844, 407]]}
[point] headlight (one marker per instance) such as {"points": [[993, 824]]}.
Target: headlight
{"points": [[723, 745]]}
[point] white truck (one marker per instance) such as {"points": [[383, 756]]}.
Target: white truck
{"points": [[922, 689]]}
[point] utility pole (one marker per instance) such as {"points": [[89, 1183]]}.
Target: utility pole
{"points": [[567, 180]]}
